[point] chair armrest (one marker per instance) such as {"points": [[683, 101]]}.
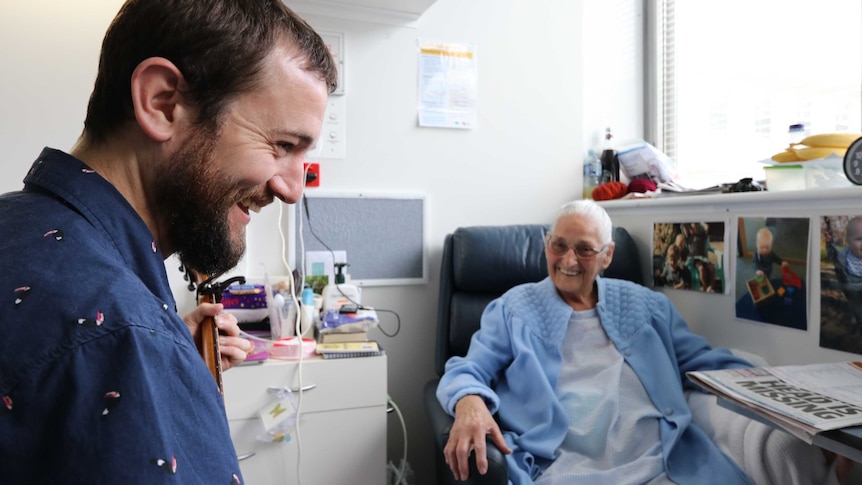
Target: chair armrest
{"points": [[441, 424]]}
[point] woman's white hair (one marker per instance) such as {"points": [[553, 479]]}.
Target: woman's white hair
{"points": [[592, 210]]}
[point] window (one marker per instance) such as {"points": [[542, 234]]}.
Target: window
{"points": [[728, 78]]}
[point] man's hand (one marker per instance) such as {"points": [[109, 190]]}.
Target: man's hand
{"points": [[234, 349], [472, 423]]}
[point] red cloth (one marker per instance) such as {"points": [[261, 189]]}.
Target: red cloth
{"points": [[642, 185], [609, 191]]}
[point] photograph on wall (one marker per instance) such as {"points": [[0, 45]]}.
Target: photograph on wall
{"points": [[689, 256], [771, 270], [841, 283]]}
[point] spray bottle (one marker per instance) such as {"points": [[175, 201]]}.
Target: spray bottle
{"points": [[340, 292]]}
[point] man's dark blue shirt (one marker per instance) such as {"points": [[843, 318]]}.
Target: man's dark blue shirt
{"points": [[100, 380]]}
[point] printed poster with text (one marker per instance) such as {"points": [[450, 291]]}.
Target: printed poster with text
{"points": [[447, 85]]}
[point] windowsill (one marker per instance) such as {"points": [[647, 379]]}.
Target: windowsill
{"points": [[735, 198]]}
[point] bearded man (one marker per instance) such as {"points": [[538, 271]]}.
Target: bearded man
{"points": [[202, 112]]}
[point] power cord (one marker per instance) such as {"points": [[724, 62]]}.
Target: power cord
{"points": [[297, 319], [400, 477], [397, 319], [292, 290]]}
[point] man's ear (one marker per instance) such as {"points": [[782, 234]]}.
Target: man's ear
{"points": [[157, 97]]}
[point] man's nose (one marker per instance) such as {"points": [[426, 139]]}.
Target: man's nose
{"points": [[288, 182]]}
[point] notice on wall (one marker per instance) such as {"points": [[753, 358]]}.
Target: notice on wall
{"points": [[447, 85]]}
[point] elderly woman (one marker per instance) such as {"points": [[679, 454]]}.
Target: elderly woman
{"points": [[586, 375]]}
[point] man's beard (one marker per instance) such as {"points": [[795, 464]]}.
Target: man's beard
{"points": [[194, 200]]}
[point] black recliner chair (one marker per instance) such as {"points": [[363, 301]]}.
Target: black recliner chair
{"points": [[481, 263]]}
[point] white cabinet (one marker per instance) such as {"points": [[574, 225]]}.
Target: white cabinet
{"points": [[388, 11], [342, 425]]}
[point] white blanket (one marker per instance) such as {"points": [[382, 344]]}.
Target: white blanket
{"points": [[768, 455]]}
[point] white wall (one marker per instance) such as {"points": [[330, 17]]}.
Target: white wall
{"points": [[48, 60], [551, 77]]}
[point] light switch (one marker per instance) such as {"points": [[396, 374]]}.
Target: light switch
{"points": [[331, 144]]}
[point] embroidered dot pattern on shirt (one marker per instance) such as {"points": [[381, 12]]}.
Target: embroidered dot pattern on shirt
{"points": [[56, 233], [34, 167], [166, 465], [92, 322], [20, 293], [111, 399]]}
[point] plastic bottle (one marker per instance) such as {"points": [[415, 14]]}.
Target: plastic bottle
{"points": [[337, 294], [796, 133], [592, 174], [307, 318], [610, 160]]}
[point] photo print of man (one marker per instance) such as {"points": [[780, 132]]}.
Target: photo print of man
{"points": [[771, 270], [689, 256], [841, 283]]}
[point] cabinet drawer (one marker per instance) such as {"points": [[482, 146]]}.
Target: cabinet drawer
{"points": [[353, 439], [330, 384]]}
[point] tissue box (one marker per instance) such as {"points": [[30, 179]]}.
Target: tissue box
{"points": [[246, 302]]}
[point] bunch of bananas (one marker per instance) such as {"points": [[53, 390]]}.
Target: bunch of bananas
{"points": [[817, 146]]}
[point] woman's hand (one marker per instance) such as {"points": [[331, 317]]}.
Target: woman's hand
{"points": [[472, 423], [234, 349], [843, 467]]}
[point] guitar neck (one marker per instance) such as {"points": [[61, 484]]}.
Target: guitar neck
{"points": [[209, 345]]}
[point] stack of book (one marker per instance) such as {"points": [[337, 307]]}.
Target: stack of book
{"points": [[340, 337], [338, 327], [345, 350]]}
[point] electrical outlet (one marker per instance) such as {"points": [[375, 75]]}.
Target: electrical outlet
{"points": [[312, 174]]}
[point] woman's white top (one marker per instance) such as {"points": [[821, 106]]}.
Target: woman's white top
{"points": [[613, 432]]}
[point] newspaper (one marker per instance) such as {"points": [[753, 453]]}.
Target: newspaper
{"points": [[801, 399]]}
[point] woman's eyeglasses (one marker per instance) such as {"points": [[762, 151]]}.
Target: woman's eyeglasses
{"points": [[560, 247]]}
